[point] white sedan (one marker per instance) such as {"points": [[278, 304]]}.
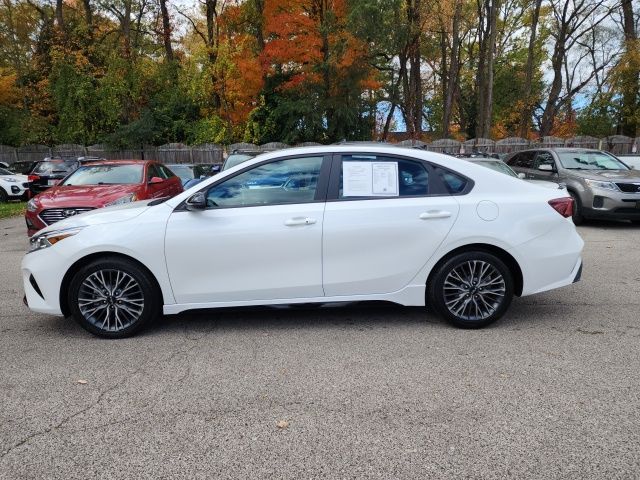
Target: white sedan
{"points": [[312, 225], [12, 185]]}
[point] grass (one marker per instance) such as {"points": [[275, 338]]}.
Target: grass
{"points": [[12, 209]]}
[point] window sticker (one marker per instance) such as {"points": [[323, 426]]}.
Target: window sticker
{"points": [[370, 179]]}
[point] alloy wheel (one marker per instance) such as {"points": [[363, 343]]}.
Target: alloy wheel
{"points": [[474, 290], [110, 299]]}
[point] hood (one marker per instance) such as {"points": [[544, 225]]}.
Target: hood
{"points": [[546, 184], [608, 175], [19, 178], [117, 213], [83, 195]]}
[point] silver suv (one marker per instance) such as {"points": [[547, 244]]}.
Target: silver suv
{"points": [[601, 185]]}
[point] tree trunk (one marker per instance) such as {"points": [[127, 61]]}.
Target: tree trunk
{"points": [[59, 15], [631, 73], [88, 13], [551, 108], [485, 69], [166, 31], [527, 112], [452, 79], [413, 90]]}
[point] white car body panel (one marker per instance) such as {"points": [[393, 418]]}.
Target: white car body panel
{"points": [[247, 256], [17, 180], [261, 256], [373, 246]]}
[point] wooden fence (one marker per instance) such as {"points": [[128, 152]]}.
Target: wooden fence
{"points": [[211, 153]]}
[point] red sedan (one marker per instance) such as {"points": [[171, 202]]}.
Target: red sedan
{"points": [[101, 184]]}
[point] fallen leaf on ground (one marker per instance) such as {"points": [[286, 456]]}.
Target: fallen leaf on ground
{"points": [[282, 424], [82, 382]]}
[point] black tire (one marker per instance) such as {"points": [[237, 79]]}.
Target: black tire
{"points": [[483, 304], [3, 195], [577, 217], [132, 302]]}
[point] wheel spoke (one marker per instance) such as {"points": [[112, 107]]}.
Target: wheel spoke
{"points": [[110, 311], [473, 290]]}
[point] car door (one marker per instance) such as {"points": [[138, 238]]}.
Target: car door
{"points": [[385, 217], [545, 157], [523, 162], [260, 237], [156, 190], [173, 182]]}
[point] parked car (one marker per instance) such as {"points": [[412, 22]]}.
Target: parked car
{"points": [[22, 167], [237, 157], [500, 166], [350, 223], [600, 184], [13, 186], [210, 170], [188, 171], [100, 184], [49, 172]]}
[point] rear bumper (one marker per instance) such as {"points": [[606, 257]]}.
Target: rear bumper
{"points": [[550, 261]]}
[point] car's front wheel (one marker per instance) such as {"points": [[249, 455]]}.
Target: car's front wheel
{"points": [[113, 298], [471, 289], [577, 216]]}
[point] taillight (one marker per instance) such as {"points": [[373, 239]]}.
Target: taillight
{"points": [[33, 178], [564, 206]]}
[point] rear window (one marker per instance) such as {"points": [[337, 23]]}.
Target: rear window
{"points": [[43, 168], [453, 182], [127, 174]]}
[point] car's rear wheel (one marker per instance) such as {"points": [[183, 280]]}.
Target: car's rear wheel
{"points": [[577, 216], [471, 289], [3, 195], [113, 298]]}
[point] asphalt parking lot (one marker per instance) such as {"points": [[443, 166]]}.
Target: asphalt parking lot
{"points": [[550, 391]]}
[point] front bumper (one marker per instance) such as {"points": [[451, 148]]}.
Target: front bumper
{"points": [[603, 203], [42, 281]]}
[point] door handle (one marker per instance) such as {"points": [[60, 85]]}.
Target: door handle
{"points": [[434, 214], [292, 222]]}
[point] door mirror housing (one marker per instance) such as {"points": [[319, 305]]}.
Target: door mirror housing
{"points": [[155, 180], [195, 202], [545, 167]]}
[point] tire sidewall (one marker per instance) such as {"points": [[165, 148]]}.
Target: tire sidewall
{"points": [[577, 216], [151, 307], [436, 288]]}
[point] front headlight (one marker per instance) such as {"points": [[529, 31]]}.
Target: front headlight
{"points": [[10, 179], [31, 205], [599, 184], [122, 200], [48, 239]]}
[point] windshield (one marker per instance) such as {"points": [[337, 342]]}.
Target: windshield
{"points": [[44, 168], [236, 159], [4, 171], [127, 174], [185, 172], [590, 160], [498, 166]]}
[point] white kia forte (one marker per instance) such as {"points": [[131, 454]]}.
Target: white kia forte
{"points": [[312, 225]]}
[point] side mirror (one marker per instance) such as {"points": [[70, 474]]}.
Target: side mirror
{"points": [[216, 169], [522, 176], [155, 180], [545, 167], [195, 202]]}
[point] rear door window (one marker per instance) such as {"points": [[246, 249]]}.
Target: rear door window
{"points": [[376, 176]]}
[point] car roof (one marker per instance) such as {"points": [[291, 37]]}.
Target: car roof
{"points": [[119, 162]]}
